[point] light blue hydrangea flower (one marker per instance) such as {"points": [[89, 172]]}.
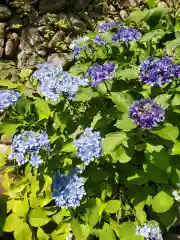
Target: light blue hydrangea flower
{"points": [[68, 190], [26, 147], [89, 146], [150, 232], [70, 236], [8, 98]]}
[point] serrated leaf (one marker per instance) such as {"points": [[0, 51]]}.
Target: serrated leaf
{"points": [[42, 108], [23, 232], [37, 217], [152, 34], [113, 206], [128, 73], [107, 233], [41, 235], [168, 132], [163, 100], [113, 140], [122, 101], [162, 202]]}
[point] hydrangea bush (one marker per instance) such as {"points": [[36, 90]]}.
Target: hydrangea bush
{"points": [[95, 150]]}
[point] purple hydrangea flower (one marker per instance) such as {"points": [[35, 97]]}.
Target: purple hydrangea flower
{"points": [[126, 35], [146, 113], [89, 145], [98, 40], [150, 232], [8, 98], [157, 72], [26, 147], [99, 73], [106, 26], [76, 45], [177, 71], [68, 191]]}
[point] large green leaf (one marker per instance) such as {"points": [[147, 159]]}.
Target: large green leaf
{"points": [[163, 100], [152, 3], [126, 124], [9, 84], [122, 101], [20, 207], [41, 235], [37, 217], [157, 33], [176, 99], [172, 45], [162, 202], [86, 94], [12, 222], [168, 132], [69, 147], [127, 231], [176, 149], [23, 232], [121, 155], [113, 206], [76, 227], [42, 109], [128, 73], [8, 128], [107, 233], [113, 140], [137, 16]]}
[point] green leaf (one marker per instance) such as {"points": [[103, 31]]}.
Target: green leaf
{"points": [[162, 202], [37, 217], [23, 232], [176, 149], [21, 208], [23, 105], [128, 73], [176, 99], [168, 132], [155, 174], [76, 228], [122, 101], [120, 155], [163, 100], [41, 235], [69, 147], [9, 84], [169, 218], [127, 231], [157, 33], [94, 216], [172, 45], [42, 108], [12, 222], [141, 215], [8, 128], [86, 94], [152, 3], [137, 16], [113, 140], [107, 233], [113, 206], [126, 124]]}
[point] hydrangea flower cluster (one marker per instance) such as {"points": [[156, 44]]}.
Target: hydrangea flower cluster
{"points": [[45, 71], [126, 35], [157, 72], [146, 113], [57, 82], [98, 40], [67, 191], [89, 146], [99, 73], [176, 195], [8, 98], [76, 45], [106, 26], [26, 147], [150, 232]]}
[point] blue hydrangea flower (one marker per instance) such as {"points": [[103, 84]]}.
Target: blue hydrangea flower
{"points": [[99, 73], [89, 146], [176, 195], [76, 45], [98, 40], [106, 26], [68, 191], [146, 113], [26, 147], [46, 71], [177, 71], [157, 72], [150, 232], [126, 35], [8, 98]]}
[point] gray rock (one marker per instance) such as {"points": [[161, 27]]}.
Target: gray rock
{"points": [[15, 23], [60, 59], [111, 9], [171, 236], [2, 30], [162, 4], [41, 50], [11, 45], [32, 36], [5, 12], [77, 25], [123, 14], [27, 57], [90, 23], [52, 6], [58, 37], [1, 47], [134, 2]]}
